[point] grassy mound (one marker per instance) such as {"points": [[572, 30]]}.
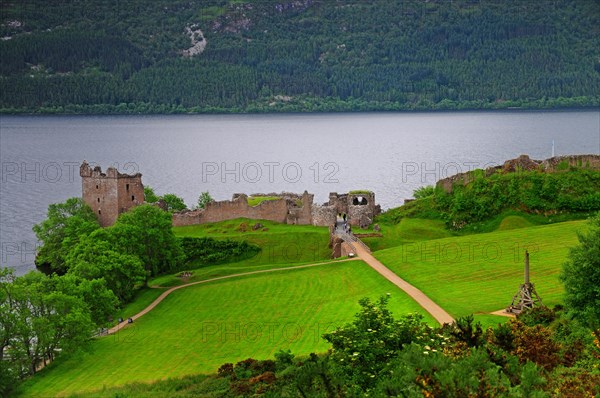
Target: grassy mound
{"points": [[514, 222], [198, 328], [482, 204], [481, 273], [407, 230]]}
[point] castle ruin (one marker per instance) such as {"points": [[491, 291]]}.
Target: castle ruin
{"points": [[524, 163], [114, 193], [110, 194], [288, 208]]}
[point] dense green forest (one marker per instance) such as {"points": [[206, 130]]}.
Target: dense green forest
{"points": [[92, 56]]}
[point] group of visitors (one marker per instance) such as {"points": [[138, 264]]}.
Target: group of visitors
{"points": [[346, 227]]}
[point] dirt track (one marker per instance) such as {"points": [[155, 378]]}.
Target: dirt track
{"points": [[435, 310], [160, 298]]}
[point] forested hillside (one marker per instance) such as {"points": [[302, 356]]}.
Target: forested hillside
{"points": [[167, 56]]}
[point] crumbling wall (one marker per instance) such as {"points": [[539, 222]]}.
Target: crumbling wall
{"points": [[557, 163], [290, 208], [524, 163], [362, 209], [323, 215]]}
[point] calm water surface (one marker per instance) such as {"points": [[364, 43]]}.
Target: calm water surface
{"points": [[391, 154]]}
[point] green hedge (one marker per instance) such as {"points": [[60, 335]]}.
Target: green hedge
{"points": [[208, 251]]}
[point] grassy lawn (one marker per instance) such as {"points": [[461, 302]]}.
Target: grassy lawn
{"points": [[407, 230], [280, 243], [481, 273], [143, 298], [255, 201], [215, 271], [197, 329]]}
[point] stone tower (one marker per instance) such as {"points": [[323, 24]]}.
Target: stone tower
{"points": [[110, 194]]}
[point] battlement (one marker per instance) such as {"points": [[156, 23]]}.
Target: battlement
{"points": [[85, 170], [110, 194]]}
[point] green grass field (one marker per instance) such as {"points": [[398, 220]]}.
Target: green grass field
{"points": [[280, 243], [196, 329], [407, 230], [480, 273]]}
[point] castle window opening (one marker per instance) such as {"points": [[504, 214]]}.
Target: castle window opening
{"points": [[132, 198], [97, 187], [127, 187], [98, 200], [359, 201], [99, 211]]}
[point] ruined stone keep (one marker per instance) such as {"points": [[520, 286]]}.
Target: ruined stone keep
{"points": [[110, 194]]}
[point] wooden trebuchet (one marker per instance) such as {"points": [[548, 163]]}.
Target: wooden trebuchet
{"points": [[526, 297]]}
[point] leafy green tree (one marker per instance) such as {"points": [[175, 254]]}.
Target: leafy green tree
{"points": [[146, 231], [204, 199], [364, 347], [581, 276], [466, 330], [94, 258], [100, 300], [149, 195], [66, 223], [8, 321], [51, 316], [174, 202]]}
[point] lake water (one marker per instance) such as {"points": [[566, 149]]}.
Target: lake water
{"points": [[389, 153]]}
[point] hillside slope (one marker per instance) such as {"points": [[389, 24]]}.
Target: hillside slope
{"points": [[173, 56]]}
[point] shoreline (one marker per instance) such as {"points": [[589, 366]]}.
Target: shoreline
{"points": [[590, 108]]}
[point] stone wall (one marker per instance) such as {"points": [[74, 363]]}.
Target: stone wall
{"points": [[324, 215], [340, 248], [362, 209], [524, 163], [110, 194], [584, 161], [288, 209]]}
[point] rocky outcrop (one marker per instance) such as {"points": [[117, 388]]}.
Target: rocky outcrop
{"points": [[524, 163]]}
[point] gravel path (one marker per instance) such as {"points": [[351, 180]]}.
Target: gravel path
{"points": [[435, 310]]}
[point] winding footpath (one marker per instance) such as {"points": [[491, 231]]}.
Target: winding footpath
{"points": [[429, 305], [160, 298]]}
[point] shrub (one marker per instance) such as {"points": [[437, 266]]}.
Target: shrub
{"points": [[203, 251]]}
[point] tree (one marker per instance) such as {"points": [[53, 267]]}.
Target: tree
{"points": [[174, 202], [149, 195], [204, 199], [95, 258], [581, 276], [50, 316], [66, 223], [146, 232], [364, 347]]}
